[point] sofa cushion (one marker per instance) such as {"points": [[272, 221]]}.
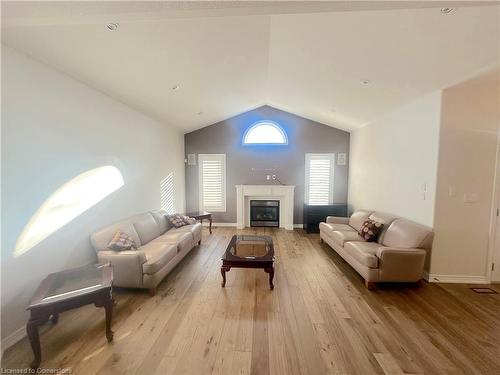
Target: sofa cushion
{"points": [[358, 218], [183, 240], [146, 226], [363, 252], [328, 227], [370, 230], [342, 236], [122, 241], [195, 229], [382, 218], [101, 238], [178, 220], [161, 218], [406, 234], [158, 254]]}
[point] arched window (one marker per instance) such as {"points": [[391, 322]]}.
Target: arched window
{"points": [[265, 133], [66, 203]]}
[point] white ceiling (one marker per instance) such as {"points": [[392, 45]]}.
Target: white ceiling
{"points": [[228, 57]]}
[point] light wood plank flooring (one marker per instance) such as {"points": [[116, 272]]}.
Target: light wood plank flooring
{"points": [[318, 320]]}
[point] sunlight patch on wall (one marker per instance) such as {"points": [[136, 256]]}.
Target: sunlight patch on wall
{"points": [[167, 193], [66, 203]]}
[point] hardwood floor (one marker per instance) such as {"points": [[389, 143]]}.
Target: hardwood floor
{"points": [[319, 319]]}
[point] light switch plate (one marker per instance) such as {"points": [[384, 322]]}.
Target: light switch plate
{"points": [[191, 159], [470, 198]]}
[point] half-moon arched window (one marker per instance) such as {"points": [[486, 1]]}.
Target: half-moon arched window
{"points": [[265, 133]]}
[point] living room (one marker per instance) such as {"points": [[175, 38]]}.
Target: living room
{"points": [[250, 187]]}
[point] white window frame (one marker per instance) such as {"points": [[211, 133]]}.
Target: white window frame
{"points": [[218, 157], [308, 158]]}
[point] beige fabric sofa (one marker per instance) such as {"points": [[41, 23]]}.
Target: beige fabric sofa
{"points": [[161, 247], [398, 255]]}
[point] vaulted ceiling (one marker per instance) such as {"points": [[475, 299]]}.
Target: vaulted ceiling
{"points": [[192, 64]]}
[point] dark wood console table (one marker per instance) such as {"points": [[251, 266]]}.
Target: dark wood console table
{"points": [[200, 215], [66, 290]]}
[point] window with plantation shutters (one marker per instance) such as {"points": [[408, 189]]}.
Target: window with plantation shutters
{"points": [[319, 179], [212, 177]]}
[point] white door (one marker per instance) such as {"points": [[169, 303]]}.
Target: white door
{"points": [[495, 273]]}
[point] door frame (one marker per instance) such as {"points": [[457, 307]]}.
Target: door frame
{"points": [[495, 204]]}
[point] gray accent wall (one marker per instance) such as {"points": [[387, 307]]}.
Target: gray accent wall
{"points": [[249, 165]]}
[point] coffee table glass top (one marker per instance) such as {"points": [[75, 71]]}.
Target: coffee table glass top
{"points": [[250, 247], [74, 282]]}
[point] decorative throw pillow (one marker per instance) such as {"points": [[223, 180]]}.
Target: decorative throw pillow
{"points": [[179, 220], [122, 241], [370, 230]]}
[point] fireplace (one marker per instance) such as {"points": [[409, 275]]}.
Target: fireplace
{"points": [[264, 213]]}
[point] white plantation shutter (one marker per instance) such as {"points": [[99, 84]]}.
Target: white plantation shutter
{"points": [[212, 175], [319, 179]]}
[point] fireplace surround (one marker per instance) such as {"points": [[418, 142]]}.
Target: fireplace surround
{"points": [[282, 193]]}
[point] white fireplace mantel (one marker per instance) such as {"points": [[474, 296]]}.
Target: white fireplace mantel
{"points": [[283, 193]]}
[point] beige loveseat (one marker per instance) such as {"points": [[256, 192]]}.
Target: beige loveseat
{"points": [[398, 255], [161, 247]]}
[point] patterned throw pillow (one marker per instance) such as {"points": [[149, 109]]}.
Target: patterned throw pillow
{"points": [[179, 220], [122, 241], [370, 230]]}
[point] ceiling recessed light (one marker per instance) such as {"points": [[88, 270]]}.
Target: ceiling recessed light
{"points": [[176, 87], [447, 10], [112, 26], [366, 81]]}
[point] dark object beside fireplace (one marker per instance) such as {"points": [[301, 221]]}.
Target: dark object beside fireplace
{"points": [[264, 213], [313, 215]]}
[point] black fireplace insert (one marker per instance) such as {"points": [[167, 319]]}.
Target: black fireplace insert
{"points": [[264, 213]]}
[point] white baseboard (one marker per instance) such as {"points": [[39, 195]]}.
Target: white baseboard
{"points": [[299, 226], [13, 338], [457, 279], [206, 224], [426, 275]]}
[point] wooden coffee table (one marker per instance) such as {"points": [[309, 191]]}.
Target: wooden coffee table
{"points": [[249, 251], [65, 290], [200, 215]]}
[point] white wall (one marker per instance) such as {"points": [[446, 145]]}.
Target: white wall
{"points": [[54, 128], [393, 160]]}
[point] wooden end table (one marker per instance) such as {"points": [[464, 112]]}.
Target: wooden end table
{"points": [[249, 251], [66, 290], [200, 215]]}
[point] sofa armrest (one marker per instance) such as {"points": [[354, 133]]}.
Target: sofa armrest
{"points": [[337, 220], [127, 266], [395, 251], [396, 264]]}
